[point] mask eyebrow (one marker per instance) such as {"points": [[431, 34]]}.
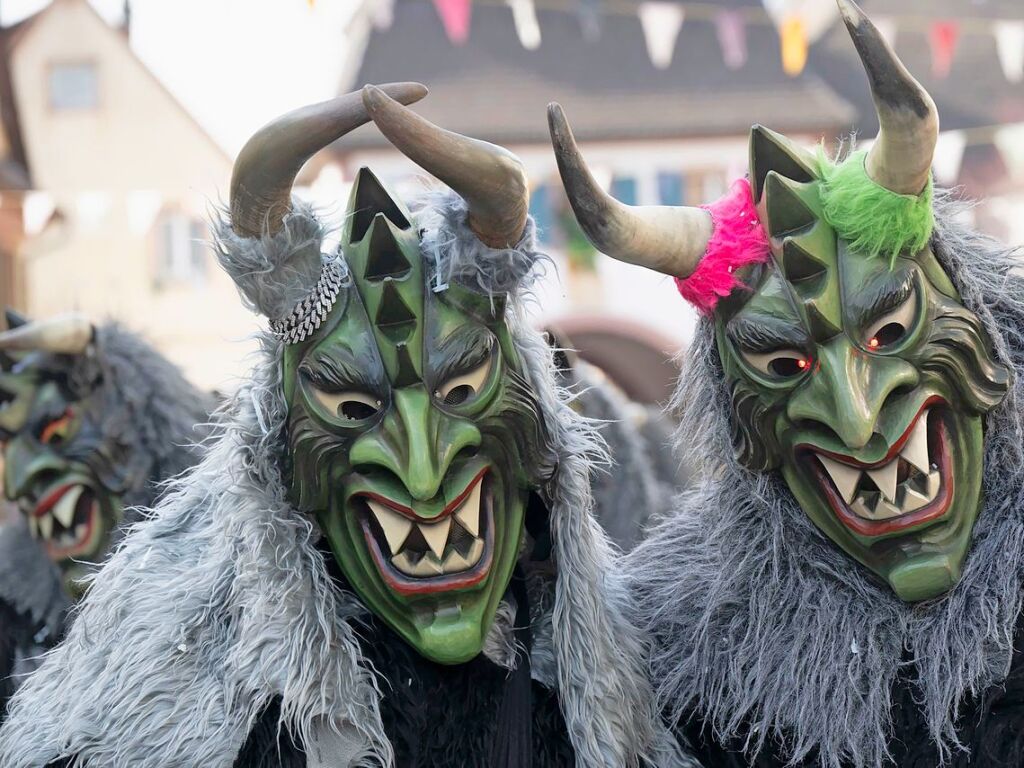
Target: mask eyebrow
{"points": [[881, 294], [462, 352], [333, 373], [764, 333]]}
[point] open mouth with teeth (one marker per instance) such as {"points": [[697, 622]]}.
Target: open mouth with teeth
{"points": [[66, 521], [417, 555], [912, 486]]}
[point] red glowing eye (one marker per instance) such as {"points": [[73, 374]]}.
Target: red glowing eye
{"points": [[874, 343], [57, 430], [801, 364]]}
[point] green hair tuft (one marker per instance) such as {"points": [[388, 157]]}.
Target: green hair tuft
{"points": [[871, 218]]}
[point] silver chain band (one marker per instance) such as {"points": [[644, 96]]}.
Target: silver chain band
{"points": [[307, 316]]}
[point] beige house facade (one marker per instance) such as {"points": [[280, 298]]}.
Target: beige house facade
{"points": [[123, 181]]}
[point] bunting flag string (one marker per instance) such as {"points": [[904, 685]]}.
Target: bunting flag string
{"points": [[1010, 47], [661, 22], [732, 37], [524, 16], [943, 37], [455, 16]]}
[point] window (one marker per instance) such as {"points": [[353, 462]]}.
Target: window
{"points": [[671, 188], [74, 86], [624, 189], [180, 249]]}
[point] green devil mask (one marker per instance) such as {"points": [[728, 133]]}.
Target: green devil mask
{"points": [[414, 436], [855, 369], [65, 475]]}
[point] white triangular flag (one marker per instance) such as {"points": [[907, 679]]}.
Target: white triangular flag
{"points": [[382, 15], [525, 17], [949, 154], [36, 210], [661, 23], [1010, 47], [1009, 140]]}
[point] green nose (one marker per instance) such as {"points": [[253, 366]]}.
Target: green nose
{"points": [[848, 389], [417, 442], [24, 463]]}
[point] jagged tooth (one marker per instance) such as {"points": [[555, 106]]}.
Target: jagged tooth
{"points": [[64, 510], [468, 513], [80, 532], [436, 535], [861, 509], [33, 526], [913, 500], [396, 527], [885, 510], [844, 476], [475, 553], [454, 563], [46, 525], [934, 481], [885, 478], [915, 450]]}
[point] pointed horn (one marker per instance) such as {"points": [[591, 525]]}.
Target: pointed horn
{"points": [[261, 182], [666, 239], [62, 335], [901, 156], [489, 178]]}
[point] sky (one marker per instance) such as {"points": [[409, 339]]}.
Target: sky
{"points": [[234, 64]]}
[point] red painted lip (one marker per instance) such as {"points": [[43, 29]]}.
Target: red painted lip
{"points": [[894, 449], [402, 509], [933, 511], [50, 500], [428, 585]]}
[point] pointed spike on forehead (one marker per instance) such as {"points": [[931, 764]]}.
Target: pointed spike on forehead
{"points": [[789, 206], [384, 257], [771, 151], [370, 197]]}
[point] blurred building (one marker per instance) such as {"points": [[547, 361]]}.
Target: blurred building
{"points": [[674, 136], [111, 181]]}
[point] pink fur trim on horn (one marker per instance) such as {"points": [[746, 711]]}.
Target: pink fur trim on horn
{"points": [[738, 240]]}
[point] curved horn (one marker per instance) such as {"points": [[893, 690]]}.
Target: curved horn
{"points": [[261, 182], [489, 178], [901, 156], [667, 239], [64, 335]]}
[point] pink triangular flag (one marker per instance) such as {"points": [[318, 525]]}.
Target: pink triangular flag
{"points": [[661, 22], [1010, 46], [732, 37], [455, 15], [943, 36]]}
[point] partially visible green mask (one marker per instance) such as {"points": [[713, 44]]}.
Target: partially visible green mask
{"points": [[58, 466], [414, 436]]}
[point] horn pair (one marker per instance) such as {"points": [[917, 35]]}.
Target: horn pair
{"points": [[489, 178], [63, 335], [673, 239]]}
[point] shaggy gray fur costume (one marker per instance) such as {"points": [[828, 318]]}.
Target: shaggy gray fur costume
{"points": [[766, 631], [222, 600]]}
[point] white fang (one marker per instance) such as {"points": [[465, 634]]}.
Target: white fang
{"points": [[844, 476], [915, 450], [64, 510], [396, 527], [436, 535], [885, 478], [468, 514]]}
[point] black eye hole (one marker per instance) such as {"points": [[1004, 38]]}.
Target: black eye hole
{"points": [[354, 410], [886, 336], [349, 406], [458, 395], [787, 366]]}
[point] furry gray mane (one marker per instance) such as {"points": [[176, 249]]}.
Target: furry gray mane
{"points": [[764, 628], [221, 600]]}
